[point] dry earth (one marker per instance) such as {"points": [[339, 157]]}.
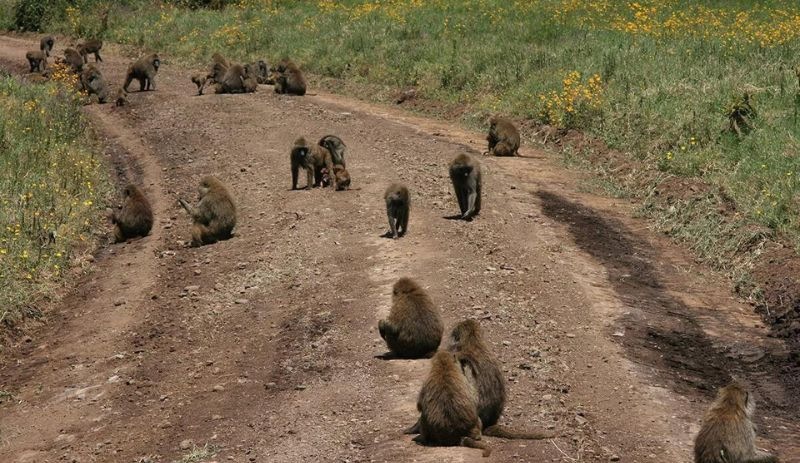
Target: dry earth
{"points": [[263, 346]]}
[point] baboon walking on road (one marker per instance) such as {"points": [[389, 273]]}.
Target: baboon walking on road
{"points": [[465, 173], [398, 205]]}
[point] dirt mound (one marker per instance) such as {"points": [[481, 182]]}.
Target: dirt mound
{"points": [[778, 275]]}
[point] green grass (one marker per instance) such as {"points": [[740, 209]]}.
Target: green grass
{"points": [[51, 191]]}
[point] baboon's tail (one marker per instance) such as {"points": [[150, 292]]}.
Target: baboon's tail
{"points": [[476, 444], [508, 433]]}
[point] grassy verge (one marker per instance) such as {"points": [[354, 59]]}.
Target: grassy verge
{"points": [[51, 192]]}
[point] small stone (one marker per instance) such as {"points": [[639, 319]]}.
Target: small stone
{"points": [[570, 335], [197, 272], [506, 343], [216, 417], [114, 379], [618, 334], [525, 366], [119, 302], [241, 301], [191, 288], [270, 386], [186, 444], [547, 397], [218, 388], [614, 458], [301, 387]]}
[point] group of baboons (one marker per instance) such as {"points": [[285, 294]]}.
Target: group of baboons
{"points": [[464, 393]]}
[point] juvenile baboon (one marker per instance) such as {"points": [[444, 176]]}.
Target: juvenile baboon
{"points": [[503, 137], [46, 44], [398, 203], [200, 79], [93, 83], [336, 147], [250, 84], [215, 214], [342, 177], [446, 404], [90, 46], [289, 79], [121, 98], [258, 71], [313, 159], [483, 372], [144, 70], [727, 434], [37, 60], [135, 218], [465, 173], [414, 327], [73, 59]]}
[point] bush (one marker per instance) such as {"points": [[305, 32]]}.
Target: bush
{"points": [[210, 4], [29, 15]]}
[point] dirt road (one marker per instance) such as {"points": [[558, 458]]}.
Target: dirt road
{"points": [[262, 347]]}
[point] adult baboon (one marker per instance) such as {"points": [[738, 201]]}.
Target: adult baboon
{"points": [[37, 60], [414, 327], [503, 137], [342, 177], [73, 59], [199, 79], [258, 71], [46, 44], [465, 173], [398, 203], [313, 159], [728, 434], [483, 372], [336, 147], [217, 58], [233, 81], [144, 70], [446, 404], [93, 83], [215, 214], [289, 79], [92, 46], [121, 98], [135, 218]]}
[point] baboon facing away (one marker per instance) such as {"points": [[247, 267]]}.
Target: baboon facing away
{"points": [[215, 214], [414, 327], [465, 173], [447, 407], [313, 159], [727, 434], [398, 205], [135, 218], [235, 80], [37, 60], [93, 83], [336, 147], [144, 70], [482, 370], [289, 79], [73, 59], [46, 44], [92, 46], [503, 137]]}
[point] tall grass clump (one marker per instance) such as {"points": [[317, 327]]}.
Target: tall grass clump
{"points": [[51, 191]]}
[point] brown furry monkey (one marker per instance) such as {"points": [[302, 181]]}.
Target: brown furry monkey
{"points": [[92, 46], [728, 434], [336, 147], [503, 137], [135, 218], [46, 44], [144, 70], [215, 214], [414, 327], [465, 173], [313, 159], [398, 205], [37, 60], [73, 59]]}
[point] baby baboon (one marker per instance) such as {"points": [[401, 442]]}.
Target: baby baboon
{"points": [[313, 159], [503, 137], [200, 79], [398, 203], [121, 98], [336, 147], [465, 173], [483, 372], [446, 404], [74, 60], [46, 44], [135, 218], [727, 434], [37, 60], [90, 46], [289, 79], [414, 327], [215, 214], [144, 70], [93, 83], [342, 178]]}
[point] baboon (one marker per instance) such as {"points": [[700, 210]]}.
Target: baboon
{"points": [[144, 70], [414, 327], [215, 214], [46, 44], [258, 71], [73, 59], [93, 83], [135, 218], [336, 147], [398, 203], [342, 177], [233, 81], [503, 137], [90, 46], [121, 98], [446, 404], [250, 84], [199, 79], [313, 159], [727, 434], [219, 66], [483, 372], [465, 173], [37, 60], [289, 79], [217, 58]]}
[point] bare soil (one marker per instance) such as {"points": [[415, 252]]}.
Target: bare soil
{"points": [[264, 346]]}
